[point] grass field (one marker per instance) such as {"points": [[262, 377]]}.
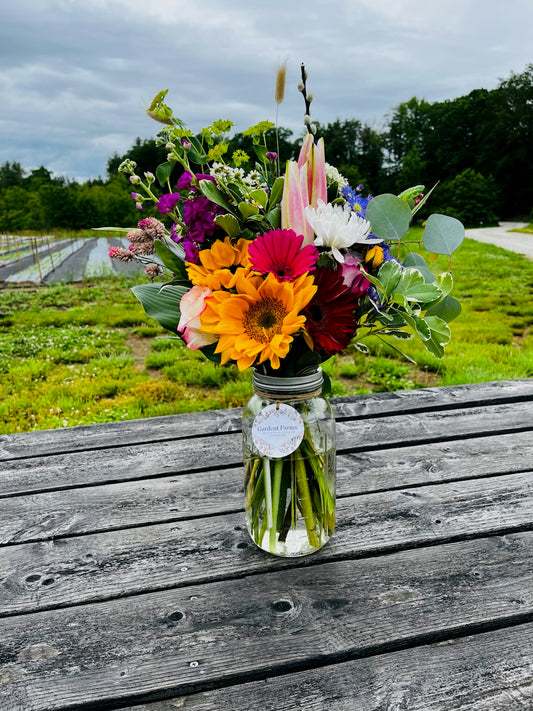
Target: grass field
{"points": [[79, 354]]}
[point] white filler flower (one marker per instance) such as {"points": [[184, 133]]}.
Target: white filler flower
{"points": [[337, 227]]}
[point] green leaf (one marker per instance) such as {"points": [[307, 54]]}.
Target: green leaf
{"points": [[276, 192], [440, 335], [170, 259], [260, 152], [163, 172], [211, 192], [443, 234], [260, 196], [247, 210], [389, 275], [445, 282], [414, 288], [419, 325], [229, 224], [396, 333], [389, 216], [161, 303], [274, 217], [447, 309], [416, 260], [209, 353]]}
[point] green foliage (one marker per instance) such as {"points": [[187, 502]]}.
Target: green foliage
{"points": [[469, 197]]}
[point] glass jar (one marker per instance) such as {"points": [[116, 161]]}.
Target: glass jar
{"points": [[289, 464]]}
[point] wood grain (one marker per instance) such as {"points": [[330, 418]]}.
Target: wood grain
{"points": [[125, 561], [166, 643], [485, 672], [46, 442]]}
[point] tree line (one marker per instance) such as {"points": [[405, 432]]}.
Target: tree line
{"points": [[477, 149]]}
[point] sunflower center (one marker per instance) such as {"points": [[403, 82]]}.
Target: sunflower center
{"points": [[264, 319]]}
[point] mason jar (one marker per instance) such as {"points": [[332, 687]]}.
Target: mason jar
{"points": [[289, 464]]}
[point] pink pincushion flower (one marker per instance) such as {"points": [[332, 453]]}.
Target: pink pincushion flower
{"points": [[192, 305], [280, 252], [123, 255]]}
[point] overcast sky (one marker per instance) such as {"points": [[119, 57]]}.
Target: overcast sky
{"points": [[77, 75]]}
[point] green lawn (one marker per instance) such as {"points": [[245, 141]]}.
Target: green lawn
{"points": [[80, 354]]}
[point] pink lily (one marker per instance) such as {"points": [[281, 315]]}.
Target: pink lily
{"points": [[192, 305], [294, 201], [314, 156]]}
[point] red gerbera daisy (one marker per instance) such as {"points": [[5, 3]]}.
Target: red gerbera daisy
{"points": [[279, 253], [330, 317]]}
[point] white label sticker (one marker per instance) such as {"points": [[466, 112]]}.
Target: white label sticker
{"points": [[277, 430]]}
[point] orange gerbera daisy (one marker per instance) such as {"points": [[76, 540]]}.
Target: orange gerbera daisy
{"points": [[221, 265], [257, 324]]}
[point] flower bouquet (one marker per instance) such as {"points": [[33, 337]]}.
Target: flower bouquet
{"points": [[277, 268]]}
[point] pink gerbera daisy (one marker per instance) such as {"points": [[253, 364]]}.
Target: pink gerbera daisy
{"points": [[279, 252]]}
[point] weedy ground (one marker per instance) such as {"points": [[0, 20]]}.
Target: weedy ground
{"points": [[74, 354]]}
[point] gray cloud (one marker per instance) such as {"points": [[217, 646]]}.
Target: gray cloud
{"points": [[75, 77]]}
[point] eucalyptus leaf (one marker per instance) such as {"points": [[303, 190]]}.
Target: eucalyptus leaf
{"points": [[447, 309], [416, 260], [389, 216], [170, 259], [161, 303], [164, 171], [443, 234]]}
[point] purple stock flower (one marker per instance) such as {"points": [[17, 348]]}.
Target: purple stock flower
{"points": [[186, 178], [199, 215], [167, 202], [271, 156]]}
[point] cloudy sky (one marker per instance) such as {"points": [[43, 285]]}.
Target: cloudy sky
{"points": [[77, 75]]}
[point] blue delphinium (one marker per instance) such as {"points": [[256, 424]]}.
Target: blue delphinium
{"points": [[355, 199]]}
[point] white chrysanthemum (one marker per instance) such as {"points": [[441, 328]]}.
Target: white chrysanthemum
{"points": [[336, 227]]}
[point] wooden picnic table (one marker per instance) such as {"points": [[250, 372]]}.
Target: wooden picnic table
{"points": [[128, 581]]}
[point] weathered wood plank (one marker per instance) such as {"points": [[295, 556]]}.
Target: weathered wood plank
{"points": [[224, 450], [170, 642], [99, 566], [46, 442], [50, 514], [485, 672]]}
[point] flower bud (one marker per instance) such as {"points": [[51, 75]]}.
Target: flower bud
{"points": [[301, 87], [187, 145], [170, 146], [309, 97], [134, 179], [312, 128], [307, 120]]}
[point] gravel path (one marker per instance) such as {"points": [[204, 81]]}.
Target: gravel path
{"points": [[500, 236]]}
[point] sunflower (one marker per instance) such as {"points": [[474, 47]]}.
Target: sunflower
{"points": [[222, 265], [330, 313], [257, 324]]}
